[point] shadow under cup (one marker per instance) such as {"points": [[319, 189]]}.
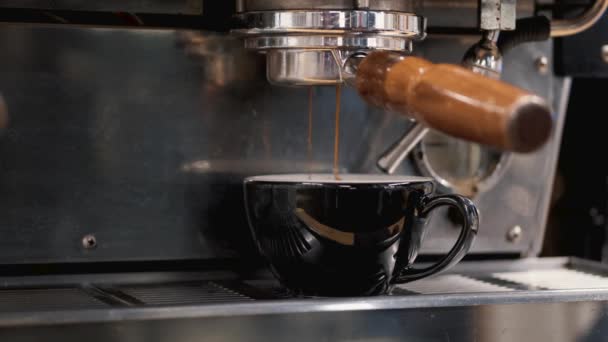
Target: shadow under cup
{"points": [[358, 236]]}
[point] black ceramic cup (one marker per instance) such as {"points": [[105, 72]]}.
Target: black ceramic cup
{"points": [[357, 236]]}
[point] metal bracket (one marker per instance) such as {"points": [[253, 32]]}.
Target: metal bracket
{"points": [[497, 15], [362, 4]]}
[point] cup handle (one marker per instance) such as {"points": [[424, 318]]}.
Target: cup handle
{"points": [[470, 226]]}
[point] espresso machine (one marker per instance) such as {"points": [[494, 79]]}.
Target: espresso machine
{"points": [[127, 128]]}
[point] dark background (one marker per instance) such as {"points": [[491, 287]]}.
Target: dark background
{"points": [[577, 221]]}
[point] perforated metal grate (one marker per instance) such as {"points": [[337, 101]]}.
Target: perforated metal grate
{"points": [[47, 300], [189, 291], [452, 283], [559, 279]]}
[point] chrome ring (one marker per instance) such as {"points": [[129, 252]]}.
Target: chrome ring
{"points": [[329, 42], [283, 5], [333, 22], [303, 46]]}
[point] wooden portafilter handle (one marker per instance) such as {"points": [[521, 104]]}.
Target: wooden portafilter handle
{"points": [[456, 101]]}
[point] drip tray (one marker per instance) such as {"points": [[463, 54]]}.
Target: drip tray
{"points": [[76, 292], [534, 289]]}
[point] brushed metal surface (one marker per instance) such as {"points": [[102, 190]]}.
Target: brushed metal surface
{"points": [[47, 299], [521, 196], [441, 13], [583, 321], [121, 134], [118, 133], [139, 6]]}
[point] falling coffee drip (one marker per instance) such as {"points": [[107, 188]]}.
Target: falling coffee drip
{"points": [[336, 167], [337, 133], [311, 91]]}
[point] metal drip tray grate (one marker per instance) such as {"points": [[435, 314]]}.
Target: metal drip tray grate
{"points": [[538, 280], [559, 300], [23, 300], [452, 283], [561, 279], [468, 280], [182, 294]]}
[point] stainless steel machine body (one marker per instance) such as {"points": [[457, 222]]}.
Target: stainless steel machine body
{"points": [[128, 146], [103, 142]]}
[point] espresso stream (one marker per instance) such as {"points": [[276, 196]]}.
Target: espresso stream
{"points": [[336, 167], [337, 133], [311, 92]]}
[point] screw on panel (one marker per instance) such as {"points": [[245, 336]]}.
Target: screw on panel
{"points": [[89, 241], [514, 234], [542, 64], [597, 218]]}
